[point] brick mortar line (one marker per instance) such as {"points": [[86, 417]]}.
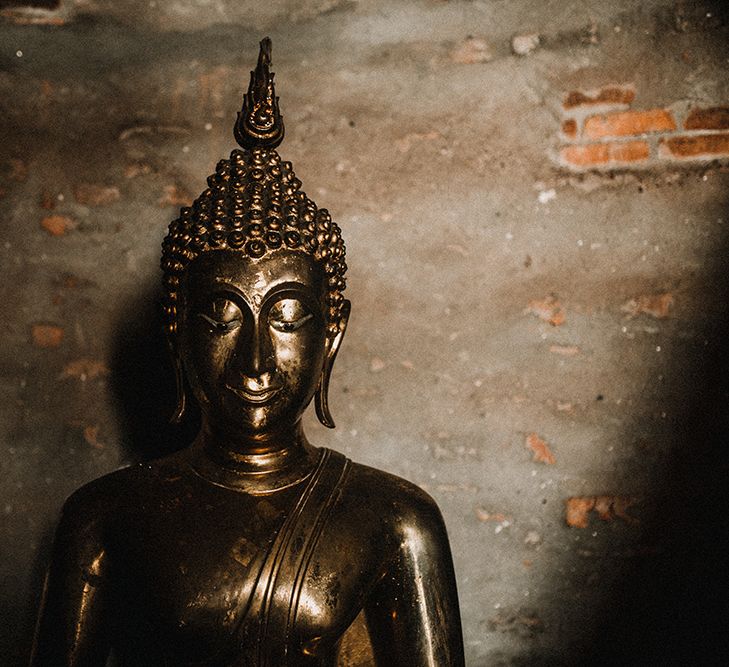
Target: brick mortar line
{"points": [[581, 115], [680, 114], [648, 136]]}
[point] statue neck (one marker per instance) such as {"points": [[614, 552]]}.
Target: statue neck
{"points": [[257, 464]]}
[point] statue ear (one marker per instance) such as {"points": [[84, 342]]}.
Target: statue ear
{"points": [[321, 401], [179, 412]]}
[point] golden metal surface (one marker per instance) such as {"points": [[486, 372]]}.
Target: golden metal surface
{"points": [[252, 547]]}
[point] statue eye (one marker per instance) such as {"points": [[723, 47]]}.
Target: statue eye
{"points": [[222, 315], [288, 315]]}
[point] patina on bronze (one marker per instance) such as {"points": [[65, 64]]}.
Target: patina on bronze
{"points": [[251, 547]]}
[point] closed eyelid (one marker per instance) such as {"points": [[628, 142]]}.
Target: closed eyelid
{"points": [[298, 320], [288, 326], [231, 324], [290, 303]]}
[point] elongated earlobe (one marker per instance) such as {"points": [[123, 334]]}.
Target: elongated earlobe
{"points": [[321, 400], [179, 412]]}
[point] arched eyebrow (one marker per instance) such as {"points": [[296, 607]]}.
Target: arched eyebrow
{"points": [[228, 292], [292, 287]]}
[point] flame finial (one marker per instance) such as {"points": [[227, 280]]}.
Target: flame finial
{"points": [[259, 122]]}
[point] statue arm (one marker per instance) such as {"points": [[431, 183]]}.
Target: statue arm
{"points": [[70, 629], [412, 613]]}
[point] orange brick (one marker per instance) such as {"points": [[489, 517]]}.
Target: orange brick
{"points": [[655, 305], [47, 201], [606, 95], [698, 146], [540, 449], [174, 195], [595, 155], [715, 118], [629, 123], [608, 508], [578, 510], [46, 335], [90, 194], [569, 128], [57, 225]]}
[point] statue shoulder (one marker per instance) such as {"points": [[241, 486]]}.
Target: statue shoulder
{"points": [[403, 505], [104, 495], [97, 497]]}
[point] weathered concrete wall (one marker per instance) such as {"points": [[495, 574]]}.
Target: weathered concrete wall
{"points": [[537, 328]]}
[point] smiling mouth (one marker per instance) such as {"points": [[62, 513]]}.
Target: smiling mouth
{"points": [[258, 397]]}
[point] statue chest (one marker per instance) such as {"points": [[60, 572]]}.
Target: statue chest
{"points": [[212, 577]]}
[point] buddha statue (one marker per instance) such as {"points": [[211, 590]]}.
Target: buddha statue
{"points": [[251, 546]]}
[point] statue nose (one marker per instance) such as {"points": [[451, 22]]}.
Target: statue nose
{"points": [[254, 358]]}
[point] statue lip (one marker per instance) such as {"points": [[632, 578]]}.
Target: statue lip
{"points": [[258, 396]]}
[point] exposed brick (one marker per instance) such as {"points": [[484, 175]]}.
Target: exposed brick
{"points": [[90, 194], [569, 128], [46, 335], [608, 508], [57, 225], [174, 195], [612, 153], [715, 118], [498, 517], [698, 146], [137, 169], [84, 369], [47, 201], [607, 95], [23, 16], [472, 51], [549, 310], [578, 510], [629, 123], [540, 449], [655, 305], [91, 435]]}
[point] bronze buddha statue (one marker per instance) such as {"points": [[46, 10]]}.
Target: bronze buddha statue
{"points": [[251, 546]]}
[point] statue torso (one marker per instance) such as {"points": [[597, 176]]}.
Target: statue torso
{"points": [[188, 562]]}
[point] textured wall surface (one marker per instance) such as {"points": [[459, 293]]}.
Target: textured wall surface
{"points": [[533, 196]]}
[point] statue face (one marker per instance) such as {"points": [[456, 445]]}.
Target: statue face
{"points": [[253, 338]]}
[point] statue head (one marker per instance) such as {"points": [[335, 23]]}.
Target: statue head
{"points": [[253, 276]]}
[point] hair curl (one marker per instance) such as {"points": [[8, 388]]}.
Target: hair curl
{"points": [[253, 204]]}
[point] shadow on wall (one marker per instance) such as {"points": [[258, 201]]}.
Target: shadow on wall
{"points": [[143, 384], [672, 603]]}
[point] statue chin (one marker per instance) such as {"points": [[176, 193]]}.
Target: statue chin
{"points": [[252, 546], [234, 415]]}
